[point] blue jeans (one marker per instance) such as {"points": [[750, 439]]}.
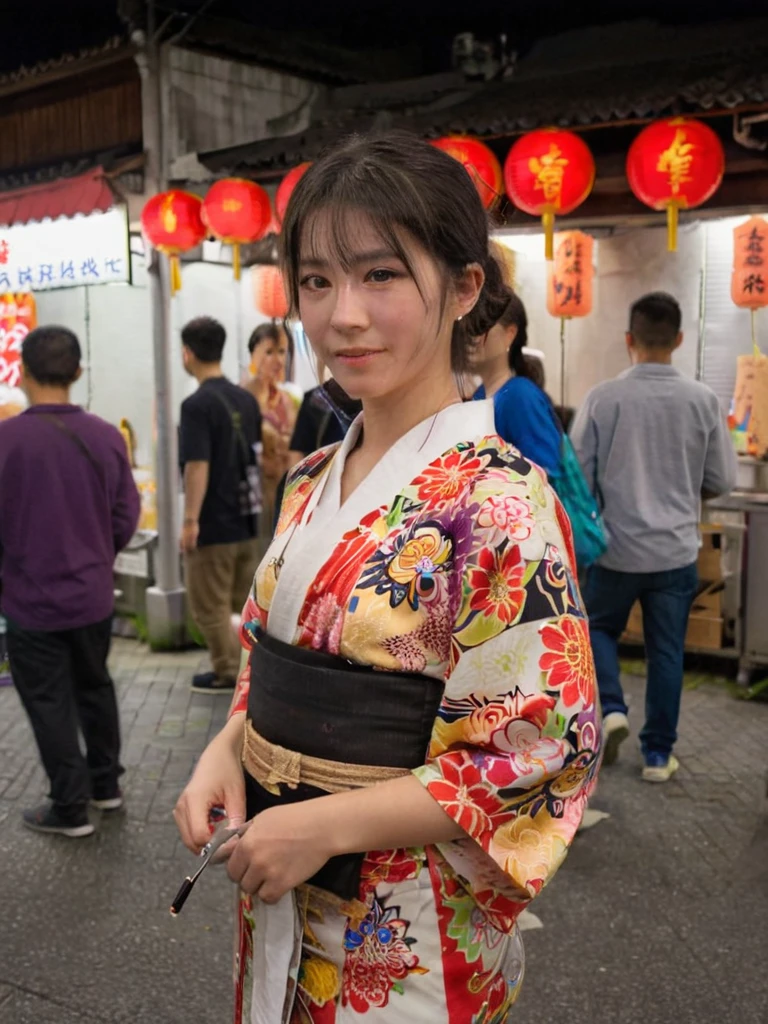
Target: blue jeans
{"points": [[666, 599]]}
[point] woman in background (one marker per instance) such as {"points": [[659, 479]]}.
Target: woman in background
{"points": [[271, 348], [525, 416]]}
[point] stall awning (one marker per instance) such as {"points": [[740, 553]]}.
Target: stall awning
{"points": [[65, 197]]}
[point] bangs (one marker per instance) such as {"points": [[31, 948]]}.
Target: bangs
{"points": [[334, 235]]}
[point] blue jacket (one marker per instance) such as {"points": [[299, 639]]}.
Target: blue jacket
{"points": [[526, 419]]}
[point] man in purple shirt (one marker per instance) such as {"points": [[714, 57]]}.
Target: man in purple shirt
{"points": [[68, 505]]}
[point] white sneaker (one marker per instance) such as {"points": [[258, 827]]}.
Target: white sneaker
{"points": [[615, 731], [112, 803], [659, 770]]}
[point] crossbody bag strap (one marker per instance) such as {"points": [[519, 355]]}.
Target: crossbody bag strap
{"points": [[235, 418], [86, 451], [64, 429]]}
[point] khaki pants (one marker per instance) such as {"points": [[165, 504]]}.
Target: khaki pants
{"points": [[219, 579]]}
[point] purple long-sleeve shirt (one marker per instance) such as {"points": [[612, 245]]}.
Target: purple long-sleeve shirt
{"points": [[62, 521]]}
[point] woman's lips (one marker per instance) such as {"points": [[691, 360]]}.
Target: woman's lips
{"points": [[358, 356]]}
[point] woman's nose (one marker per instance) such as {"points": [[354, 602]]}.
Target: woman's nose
{"points": [[349, 311]]}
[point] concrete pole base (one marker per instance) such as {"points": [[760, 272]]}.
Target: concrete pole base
{"points": [[166, 615]]}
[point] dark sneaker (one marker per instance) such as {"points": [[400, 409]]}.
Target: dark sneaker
{"points": [[108, 803], [209, 682], [45, 819]]}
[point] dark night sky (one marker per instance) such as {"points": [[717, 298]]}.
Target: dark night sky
{"points": [[46, 29]]}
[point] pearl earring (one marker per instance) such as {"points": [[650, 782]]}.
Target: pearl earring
{"points": [[459, 318]]}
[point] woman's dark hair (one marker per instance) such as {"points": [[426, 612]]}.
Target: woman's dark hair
{"points": [[401, 184], [270, 331], [51, 355], [514, 315]]}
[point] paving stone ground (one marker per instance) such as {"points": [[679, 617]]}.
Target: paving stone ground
{"points": [[659, 916]]}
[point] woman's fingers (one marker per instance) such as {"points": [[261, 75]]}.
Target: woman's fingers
{"points": [[191, 816], [234, 800]]}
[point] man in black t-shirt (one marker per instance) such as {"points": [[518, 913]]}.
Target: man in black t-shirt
{"points": [[219, 434]]}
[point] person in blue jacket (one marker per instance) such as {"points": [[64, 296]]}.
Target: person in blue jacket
{"points": [[524, 413]]}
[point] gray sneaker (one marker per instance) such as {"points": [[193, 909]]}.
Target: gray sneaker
{"points": [[615, 731], [46, 819]]}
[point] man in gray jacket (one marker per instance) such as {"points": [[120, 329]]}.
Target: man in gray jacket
{"points": [[652, 443]]}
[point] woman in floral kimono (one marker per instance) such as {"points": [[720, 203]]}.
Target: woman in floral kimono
{"points": [[415, 627]]}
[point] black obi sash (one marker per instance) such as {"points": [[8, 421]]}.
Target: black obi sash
{"points": [[323, 706]]}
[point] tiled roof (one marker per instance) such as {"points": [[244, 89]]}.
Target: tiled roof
{"points": [[24, 74], [598, 76]]}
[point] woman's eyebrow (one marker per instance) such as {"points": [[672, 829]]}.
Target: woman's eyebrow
{"points": [[315, 263]]}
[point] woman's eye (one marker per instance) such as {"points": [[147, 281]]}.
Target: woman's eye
{"points": [[382, 275], [314, 282]]}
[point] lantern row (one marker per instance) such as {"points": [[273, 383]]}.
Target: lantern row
{"points": [[673, 164]]}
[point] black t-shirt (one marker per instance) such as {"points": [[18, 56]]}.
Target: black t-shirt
{"points": [[207, 434], [316, 425]]}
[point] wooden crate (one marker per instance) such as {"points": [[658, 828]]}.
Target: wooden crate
{"points": [[705, 632], [709, 561]]}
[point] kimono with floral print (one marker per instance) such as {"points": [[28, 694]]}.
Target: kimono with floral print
{"points": [[460, 567]]}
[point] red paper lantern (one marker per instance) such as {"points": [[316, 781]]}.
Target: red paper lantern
{"points": [[675, 163], [285, 190], [480, 163], [269, 292], [549, 172], [236, 211], [172, 223]]}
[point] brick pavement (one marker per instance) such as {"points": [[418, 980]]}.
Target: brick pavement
{"points": [[660, 915]]}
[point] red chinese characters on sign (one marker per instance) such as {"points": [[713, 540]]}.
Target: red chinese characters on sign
{"points": [[5, 252], [749, 279], [569, 284], [18, 316]]}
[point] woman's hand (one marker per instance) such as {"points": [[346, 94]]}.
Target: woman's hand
{"points": [[217, 781], [282, 847]]}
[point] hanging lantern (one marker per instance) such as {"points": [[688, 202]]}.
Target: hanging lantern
{"points": [[479, 162], [285, 190], [237, 212], [569, 285], [569, 282], [549, 172], [269, 292], [172, 223], [749, 278], [673, 164]]}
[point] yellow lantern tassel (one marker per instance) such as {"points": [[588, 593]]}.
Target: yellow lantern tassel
{"points": [[175, 273], [236, 259], [548, 220], [672, 220]]}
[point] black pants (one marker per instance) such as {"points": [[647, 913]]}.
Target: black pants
{"points": [[65, 686]]}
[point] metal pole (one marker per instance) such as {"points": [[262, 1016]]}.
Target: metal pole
{"points": [[562, 361], [165, 600]]}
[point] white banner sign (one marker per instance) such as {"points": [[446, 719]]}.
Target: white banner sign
{"points": [[66, 252]]}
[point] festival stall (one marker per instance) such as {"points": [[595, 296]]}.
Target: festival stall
{"points": [[578, 286]]}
